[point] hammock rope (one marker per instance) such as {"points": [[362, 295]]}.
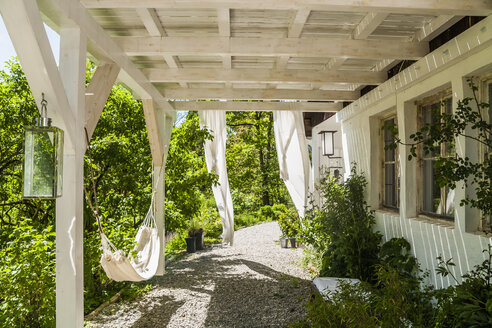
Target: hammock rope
{"points": [[148, 248]]}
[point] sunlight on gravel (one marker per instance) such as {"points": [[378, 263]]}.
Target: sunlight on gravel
{"points": [[255, 283]]}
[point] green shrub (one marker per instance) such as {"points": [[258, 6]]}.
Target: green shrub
{"points": [[341, 228], [394, 301], [27, 277], [289, 223], [468, 304], [348, 306]]}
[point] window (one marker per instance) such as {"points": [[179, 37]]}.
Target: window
{"points": [[487, 151], [391, 176], [435, 200]]}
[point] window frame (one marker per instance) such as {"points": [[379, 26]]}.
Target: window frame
{"points": [[485, 95], [384, 163], [437, 98]]}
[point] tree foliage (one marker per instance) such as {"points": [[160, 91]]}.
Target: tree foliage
{"points": [[252, 162]]}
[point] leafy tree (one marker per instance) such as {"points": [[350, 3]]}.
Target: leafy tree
{"points": [[18, 109], [187, 178], [252, 162]]}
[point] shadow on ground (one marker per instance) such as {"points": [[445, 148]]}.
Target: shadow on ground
{"points": [[242, 293]]}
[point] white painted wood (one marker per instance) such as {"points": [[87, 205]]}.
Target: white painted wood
{"points": [[426, 33], [282, 62], [224, 18], [165, 125], [256, 94], [461, 46], [26, 30], [335, 63], [295, 30], [262, 76], [155, 139], [151, 21], [97, 93], [218, 46], [436, 27], [257, 106], [456, 7], [69, 207], [101, 46], [159, 189], [172, 62], [368, 24]]}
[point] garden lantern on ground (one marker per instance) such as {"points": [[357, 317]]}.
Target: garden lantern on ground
{"points": [[43, 155]]}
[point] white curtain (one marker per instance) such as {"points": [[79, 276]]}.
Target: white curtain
{"points": [[215, 121], [293, 156]]}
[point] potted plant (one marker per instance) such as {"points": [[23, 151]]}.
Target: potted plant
{"points": [[284, 230], [199, 239], [293, 223], [193, 230]]}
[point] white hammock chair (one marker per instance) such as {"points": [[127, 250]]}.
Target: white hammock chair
{"points": [[147, 249]]}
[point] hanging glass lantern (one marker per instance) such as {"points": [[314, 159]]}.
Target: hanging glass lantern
{"points": [[43, 158]]}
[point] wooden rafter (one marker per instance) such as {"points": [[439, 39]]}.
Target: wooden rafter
{"points": [[102, 46], [257, 106], [262, 76], [256, 94], [213, 46], [452, 7]]}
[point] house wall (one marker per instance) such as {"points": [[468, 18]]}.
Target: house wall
{"points": [[447, 67], [323, 163]]}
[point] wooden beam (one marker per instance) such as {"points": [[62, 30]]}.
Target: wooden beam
{"points": [[26, 30], [435, 27], [238, 75], [218, 46], [426, 33], [335, 63], [97, 94], [295, 29], [259, 94], [368, 24], [151, 21], [172, 62], [452, 7], [153, 132], [101, 46], [224, 18], [257, 106]]}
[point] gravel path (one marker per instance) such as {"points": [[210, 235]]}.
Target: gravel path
{"points": [[255, 283]]}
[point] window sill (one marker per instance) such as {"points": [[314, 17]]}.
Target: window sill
{"points": [[435, 220], [388, 210]]}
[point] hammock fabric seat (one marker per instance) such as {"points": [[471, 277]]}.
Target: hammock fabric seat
{"points": [[147, 251]]}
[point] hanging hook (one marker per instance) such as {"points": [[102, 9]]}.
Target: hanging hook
{"points": [[44, 121], [44, 104]]}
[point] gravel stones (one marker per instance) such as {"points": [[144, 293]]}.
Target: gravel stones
{"points": [[255, 283]]}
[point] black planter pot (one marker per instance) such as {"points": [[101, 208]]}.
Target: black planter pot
{"points": [[293, 243], [190, 244], [284, 242], [199, 239]]}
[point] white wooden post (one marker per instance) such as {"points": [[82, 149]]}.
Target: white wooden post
{"points": [[69, 208], [26, 30], [466, 218], [159, 127]]}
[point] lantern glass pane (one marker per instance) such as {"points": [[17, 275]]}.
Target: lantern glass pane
{"points": [[327, 143], [41, 162]]}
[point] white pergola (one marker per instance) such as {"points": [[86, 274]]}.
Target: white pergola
{"points": [[297, 55]]}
